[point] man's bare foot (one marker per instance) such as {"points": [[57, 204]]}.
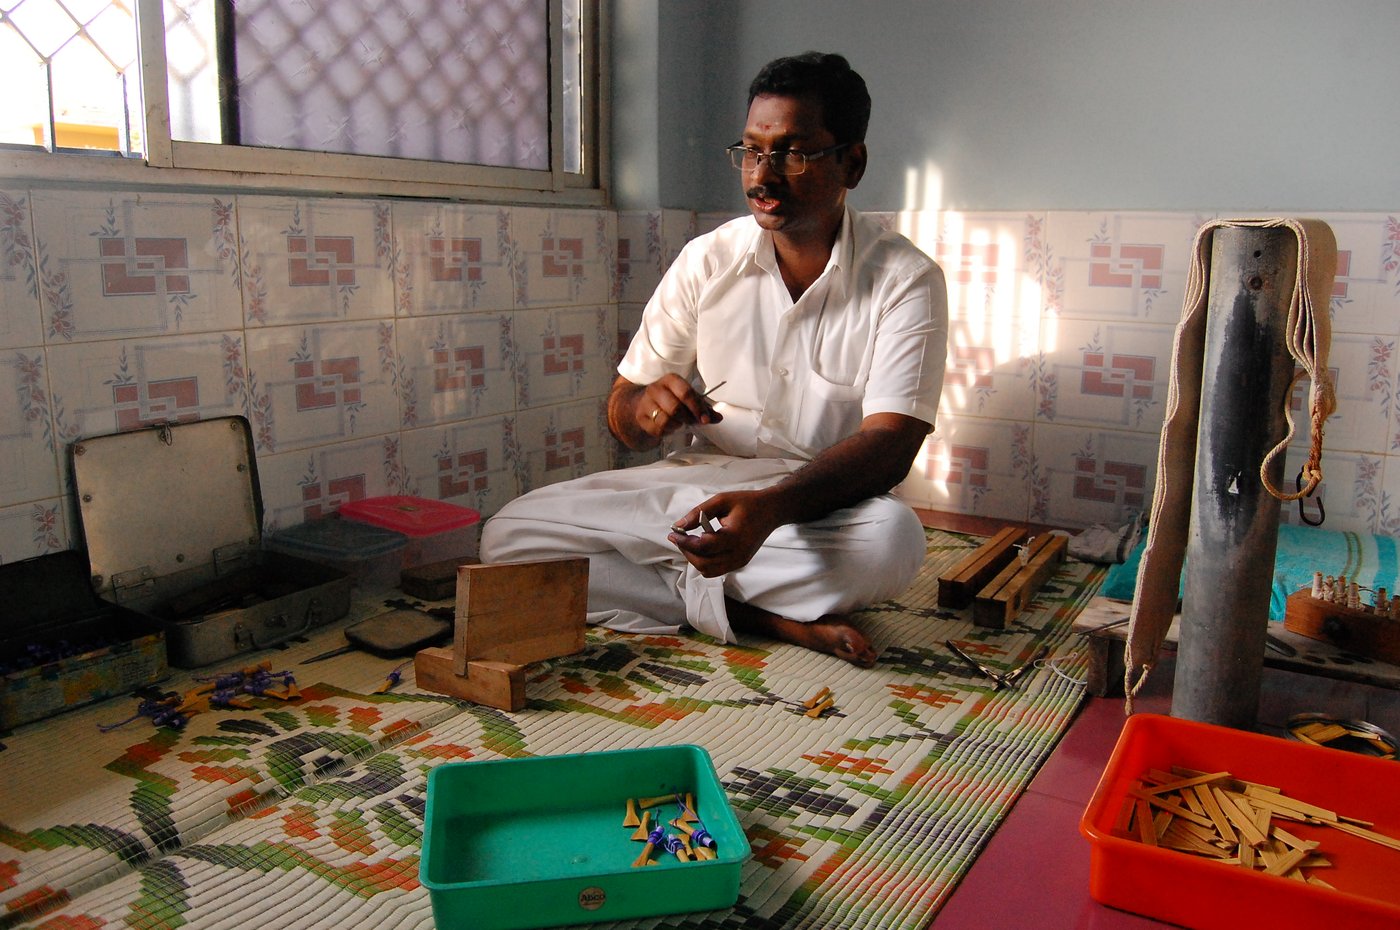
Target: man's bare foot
{"points": [[832, 634]]}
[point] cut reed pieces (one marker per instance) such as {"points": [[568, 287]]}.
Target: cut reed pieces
{"points": [[1243, 823]]}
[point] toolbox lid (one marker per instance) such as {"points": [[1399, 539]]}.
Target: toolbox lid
{"points": [[47, 592], [337, 540], [175, 503], [412, 516]]}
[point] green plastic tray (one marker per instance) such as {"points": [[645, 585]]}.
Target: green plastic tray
{"points": [[539, 841]]}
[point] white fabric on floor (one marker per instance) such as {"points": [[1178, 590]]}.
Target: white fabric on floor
{"points": [[638, 580]]}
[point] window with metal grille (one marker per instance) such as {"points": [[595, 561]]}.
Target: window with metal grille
{"points": [[494, 93]]}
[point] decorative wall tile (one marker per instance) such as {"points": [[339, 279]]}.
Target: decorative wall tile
{"points": [[1366, 291], [313, 483], [984, 260], [677, 228], [990, 367], [29, 450], [641, 255], [456, 368], [1088, 476], [972, 466], [562, 442], [1363, 370], [451, 258], [473, 463], [319, 384], [30, 530], [110, 387], [1388, 505], [1123, 266], [1104, 374], [565, 353], [135, 264], [21, 321], [310, 261], [709, 222], [1354, 493], [568, 256], [629, 320]]}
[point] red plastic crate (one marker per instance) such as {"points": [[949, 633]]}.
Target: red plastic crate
{"points": [[1196, 892], [437, 531]]}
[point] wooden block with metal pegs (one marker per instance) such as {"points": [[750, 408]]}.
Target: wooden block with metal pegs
{"points": [[1358, 630], [508, 616], [1016, 585]]}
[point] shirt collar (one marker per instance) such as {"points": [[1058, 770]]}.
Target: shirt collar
{"points": [[838, 266]]}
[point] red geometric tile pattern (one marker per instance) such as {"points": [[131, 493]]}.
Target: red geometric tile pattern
{"points": [[327, 383], [142, 404], [1118, 375], [462, 473], [1110, 483], [562, 258], [454, 259], [320, 261], [1115, 264], [145, 266], [458, 368]]}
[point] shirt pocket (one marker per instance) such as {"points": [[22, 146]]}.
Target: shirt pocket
{"points": [[829, 413]]}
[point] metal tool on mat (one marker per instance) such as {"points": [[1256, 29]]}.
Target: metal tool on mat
{"points": [[999, 679], [402, 631]]}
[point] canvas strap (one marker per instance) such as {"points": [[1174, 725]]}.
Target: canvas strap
{"points": [[1309, 336]]}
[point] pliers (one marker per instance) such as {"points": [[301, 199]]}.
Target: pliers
{"points": [[999, 679]]}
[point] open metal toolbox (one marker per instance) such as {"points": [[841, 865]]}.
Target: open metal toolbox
{"points": [[172, 521], [61, 646]]}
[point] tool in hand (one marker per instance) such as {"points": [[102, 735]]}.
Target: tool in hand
{"points": [[999, 680]]}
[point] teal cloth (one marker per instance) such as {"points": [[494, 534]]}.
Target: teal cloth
{"points": [[1368, 560]]}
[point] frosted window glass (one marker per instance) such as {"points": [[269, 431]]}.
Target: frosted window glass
{"points": [[464, 82]]}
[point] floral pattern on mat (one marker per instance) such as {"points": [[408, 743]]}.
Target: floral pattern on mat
{"points": [[865, 817]]}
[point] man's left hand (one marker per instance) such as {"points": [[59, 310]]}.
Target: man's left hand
{"points": [[732, 526]]}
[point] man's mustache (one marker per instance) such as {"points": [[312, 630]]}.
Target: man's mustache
{"points": [[764, 191]]}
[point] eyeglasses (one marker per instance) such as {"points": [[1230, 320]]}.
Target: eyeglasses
{"points": [[785, 162]]}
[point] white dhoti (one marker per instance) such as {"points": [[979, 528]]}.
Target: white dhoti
{"points": [[640, 582]]}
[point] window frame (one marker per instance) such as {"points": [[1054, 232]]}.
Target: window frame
{"points": [[221, 165]]}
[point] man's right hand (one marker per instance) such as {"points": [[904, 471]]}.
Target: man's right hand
{"points": [[640, 415]]}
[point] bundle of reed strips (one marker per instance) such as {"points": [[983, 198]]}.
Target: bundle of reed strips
{"points": [[1237, 822]]}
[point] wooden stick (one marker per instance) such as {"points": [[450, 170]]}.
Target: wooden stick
{"points": [[643, 828], [631, 820]]}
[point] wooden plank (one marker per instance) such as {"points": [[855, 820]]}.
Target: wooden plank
{"points": [[960, 585], [1358, 631], [1013, 589], [520, 612], [495, 684]]}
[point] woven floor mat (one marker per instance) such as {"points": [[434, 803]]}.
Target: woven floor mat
{"points": [[866, 817], [94, 793]]}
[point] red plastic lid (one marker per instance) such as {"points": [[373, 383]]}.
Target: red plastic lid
{"points": [[412, 516]]}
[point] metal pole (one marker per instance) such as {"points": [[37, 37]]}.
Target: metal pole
{"points": [[1234, 521]]}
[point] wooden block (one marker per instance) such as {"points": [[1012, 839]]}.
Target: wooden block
{"points": [[1359, 632], [958, 587], [436, 581], [1016, 585], [495, 684], [520, 612]]}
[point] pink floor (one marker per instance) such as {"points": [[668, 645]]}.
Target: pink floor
{"points": [[1035, 871]]}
